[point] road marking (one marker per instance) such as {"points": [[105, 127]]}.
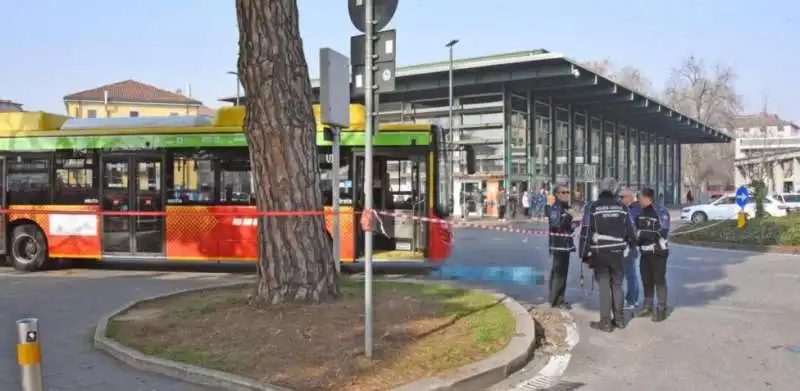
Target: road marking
{"points": [[549, 376]]}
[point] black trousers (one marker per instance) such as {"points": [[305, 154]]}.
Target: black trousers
{"points": [[653, 268], [501, 211], [558, 278], [609, 276]]}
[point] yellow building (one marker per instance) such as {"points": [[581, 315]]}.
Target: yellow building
{"points": [[131, 98]]}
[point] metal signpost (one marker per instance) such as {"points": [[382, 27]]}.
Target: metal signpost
{"points": [[375, 74], [334, 114], [741, 199], [29, 354]]}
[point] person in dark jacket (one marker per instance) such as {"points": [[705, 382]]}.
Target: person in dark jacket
{"points": [[561, 245], [652, 230], [607, 232]]}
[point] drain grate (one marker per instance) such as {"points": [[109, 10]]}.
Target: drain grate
{"points": [[547, 383]]}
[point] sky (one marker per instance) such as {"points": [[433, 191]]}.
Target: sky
{"points": [[51, 48]]}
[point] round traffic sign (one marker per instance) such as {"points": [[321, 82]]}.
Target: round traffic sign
{"points": [[383, 11]]}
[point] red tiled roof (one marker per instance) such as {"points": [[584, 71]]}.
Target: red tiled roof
{"points": [[206, 111], [131, 91]]}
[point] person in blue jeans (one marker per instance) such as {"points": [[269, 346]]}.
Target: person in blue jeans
{"points": [[630, 269]]}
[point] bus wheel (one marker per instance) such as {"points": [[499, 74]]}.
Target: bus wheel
{"points": [[28, 248]]}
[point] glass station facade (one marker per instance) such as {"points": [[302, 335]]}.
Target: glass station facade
{"points": [[533, 143], [534, 119]]}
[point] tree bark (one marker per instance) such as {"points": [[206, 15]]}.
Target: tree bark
{"points": [[295, 262]]}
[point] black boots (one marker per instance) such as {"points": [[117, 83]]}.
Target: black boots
{"points": [[606, 326], [660, 315], [647, 310]]}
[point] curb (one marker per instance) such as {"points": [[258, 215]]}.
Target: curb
{"points": [[549, 377], [476, 376], [770, 249], [185, 372]]}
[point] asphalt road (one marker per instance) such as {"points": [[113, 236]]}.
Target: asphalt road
{"points": [[68, 304], [734, 324]]}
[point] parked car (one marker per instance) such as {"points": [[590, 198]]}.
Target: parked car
{"points": [[725, 208], [792, 201]]}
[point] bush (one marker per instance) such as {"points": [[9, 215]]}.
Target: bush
{"points": [[767, 231]]}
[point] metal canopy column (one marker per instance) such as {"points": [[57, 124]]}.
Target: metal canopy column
{"points": [[507, 137], [639, 159], [570, 150], [646, 149], [531, 141], [602, 161], [587, 158], [628, 156], [678, 170], [667, 183], [615, 147], [657, 174], [553, 142]]}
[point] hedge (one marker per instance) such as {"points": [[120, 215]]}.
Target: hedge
{"points": [[767, 231]]}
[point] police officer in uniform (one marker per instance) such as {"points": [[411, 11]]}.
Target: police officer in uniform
{"points": [[607, 232], [652, 229], [561, 245]]}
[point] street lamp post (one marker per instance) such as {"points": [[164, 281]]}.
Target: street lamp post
{"points": [[450, 135], [238, 86]]}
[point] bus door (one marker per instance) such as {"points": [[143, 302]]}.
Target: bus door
{"points": [[3, 205], [133, 184], [400, 189]]}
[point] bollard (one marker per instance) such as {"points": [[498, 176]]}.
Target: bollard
{"points": [[29, 354]]}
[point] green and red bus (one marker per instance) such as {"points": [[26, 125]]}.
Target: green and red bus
{"points": [[179, 188]]}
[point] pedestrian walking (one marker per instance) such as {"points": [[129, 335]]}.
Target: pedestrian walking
{"points": [[652, 230], [526, 203], [502, 200], [629, 269], [562, 245], [607, 233], [513, 202]]}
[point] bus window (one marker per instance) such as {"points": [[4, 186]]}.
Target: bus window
{"points": [[28, 181], [236, 185], [192, 179], [74, 182]]}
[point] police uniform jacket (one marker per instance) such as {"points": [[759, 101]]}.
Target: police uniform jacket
{"points": [[606, 230], [561, 228], [652, 229]]}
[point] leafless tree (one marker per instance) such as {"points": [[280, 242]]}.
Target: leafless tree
{"points": [[628, 76], [709, 95], [294, 261]]}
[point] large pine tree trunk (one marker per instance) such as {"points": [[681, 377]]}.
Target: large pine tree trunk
{"points": [[294, 259]]}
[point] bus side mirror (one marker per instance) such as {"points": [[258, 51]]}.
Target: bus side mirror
{"points": [[470, 154]]}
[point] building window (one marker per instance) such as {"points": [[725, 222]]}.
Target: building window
{"points": [[91, 113], [134, 114]]}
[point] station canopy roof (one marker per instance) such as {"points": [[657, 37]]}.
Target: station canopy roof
{"points": [[548, 74]]}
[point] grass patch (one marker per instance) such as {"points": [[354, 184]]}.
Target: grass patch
{"points": [[419, 331], [767, 231]]}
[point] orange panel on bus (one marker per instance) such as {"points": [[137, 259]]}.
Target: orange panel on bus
{"points": [[347, 242], [197, 237], [68, 235]]}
